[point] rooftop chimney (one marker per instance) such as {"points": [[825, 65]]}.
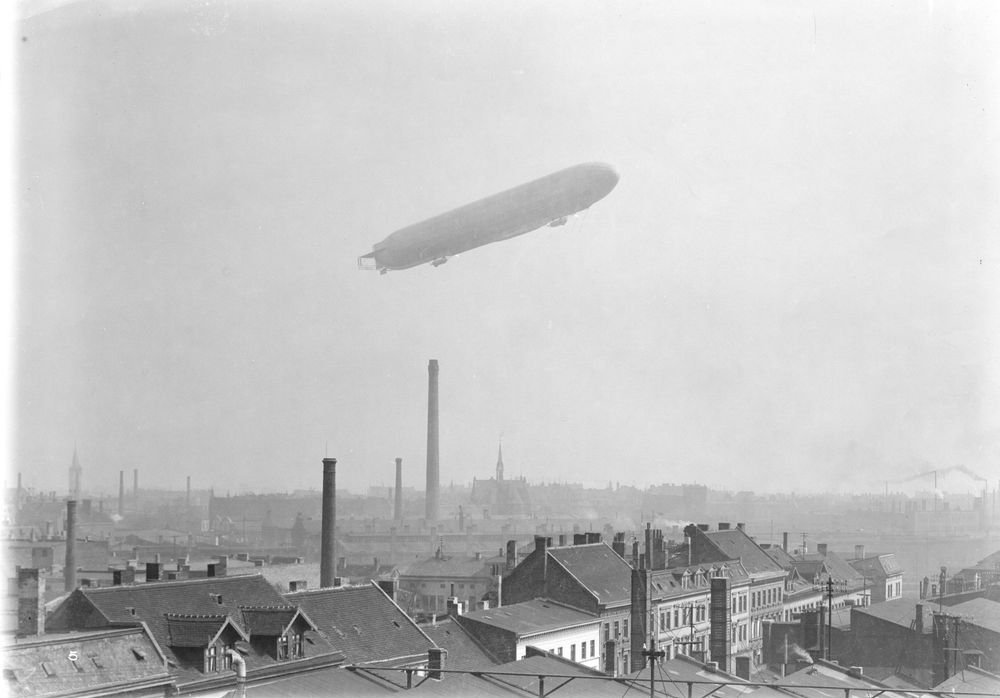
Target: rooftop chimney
{"points": [[821, 549], [511, 561], [433, 464], [435, 662], [859, 552], [30, 602], [918, 626], [69, 570], [398, 513], [784, 541], [723, 526], [328, 544]]}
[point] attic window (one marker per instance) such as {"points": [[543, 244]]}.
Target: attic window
{"points": [[49, 670], [130, 609], [97, 661], [140, 655], [396, 623], [218, 598]]}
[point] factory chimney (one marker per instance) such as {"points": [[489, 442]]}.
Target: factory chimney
{"points": [[328, 543], [121, 493], [399, 490], [69, 569], [135, 488], [433, 465]]}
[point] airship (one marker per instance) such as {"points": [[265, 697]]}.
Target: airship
{"points": [[548, 201]]}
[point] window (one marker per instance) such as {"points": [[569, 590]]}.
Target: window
{"points": [[667, 626], [607, 632], [559, 651], [677, 617], [663, 621], [625, 628], [616, 630], [296, 645], [211, 659], [583, 650], [283, 647]]}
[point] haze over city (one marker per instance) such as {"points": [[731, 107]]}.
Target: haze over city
{"points": [[793, 286]]}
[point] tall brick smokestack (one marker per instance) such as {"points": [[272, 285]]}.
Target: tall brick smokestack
{"points": [[121, 493], [433, 465], [398, 513], [135, 488], [69, 569], [328, 544]]}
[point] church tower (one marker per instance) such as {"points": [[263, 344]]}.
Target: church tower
{"points": [[75, 477]]}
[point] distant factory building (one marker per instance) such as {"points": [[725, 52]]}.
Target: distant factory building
{"points": [[500, 496]]}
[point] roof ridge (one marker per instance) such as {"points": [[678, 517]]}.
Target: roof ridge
{"points": [[174, 583], [195, 616]]}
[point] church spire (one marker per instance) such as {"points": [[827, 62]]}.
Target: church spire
{"points": [[500, 460]]}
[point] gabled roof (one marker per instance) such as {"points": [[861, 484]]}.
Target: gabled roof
{"points": [[532, 617], [815, 567], [598, 568], [779, 555], [735, 544], [884, 565], [670, 582], [364, 623], [153, 603], [185, 630], [107, 661], [272, 621]]}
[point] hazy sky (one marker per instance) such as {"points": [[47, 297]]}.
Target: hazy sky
{"points": [[794, 285]]}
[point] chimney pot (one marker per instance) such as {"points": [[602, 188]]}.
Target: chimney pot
{"points": [[435, 662], [723, 526]]}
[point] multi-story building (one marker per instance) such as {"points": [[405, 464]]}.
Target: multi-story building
{"points": [[426, 585], [882, 574]]}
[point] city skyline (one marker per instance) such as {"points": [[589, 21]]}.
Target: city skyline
{"points": [[792, 288]]}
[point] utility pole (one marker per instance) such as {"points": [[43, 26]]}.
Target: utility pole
{"points": [[651, 655], [829, 616]]}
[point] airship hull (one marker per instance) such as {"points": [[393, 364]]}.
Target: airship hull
{"points": [[510, 213]]}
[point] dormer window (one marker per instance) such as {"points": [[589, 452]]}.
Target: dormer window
{"points": [[283, 647], [211, 659]]}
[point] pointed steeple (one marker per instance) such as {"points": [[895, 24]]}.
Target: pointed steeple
{"points": [[500, 460]]}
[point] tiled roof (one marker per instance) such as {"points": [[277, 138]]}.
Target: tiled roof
{"points": [[735, 544], [325, 683], [598, 568], [673, 672], [815, 567], [363, 623], [269, 621], [150, 602], [669, 582], [107, 661], [884, 565], [197, 631], [532, 617], [779, 555], [463, 650]]}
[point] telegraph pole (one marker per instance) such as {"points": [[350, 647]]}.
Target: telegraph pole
{"points": [[829, 616]]}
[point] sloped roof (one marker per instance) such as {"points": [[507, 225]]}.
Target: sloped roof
{"points": [[89, 607], [735, 544], [598, 568], [671, 673], [450, 567], [898, 611], [980, 612], [973, 680], [815, 567], [825, 676], [364, 624], [877, 565], [325, 683], [107, 661], [464, 652], [779, 555], [532, 617], [669, 582], [271, 620], [197, 631]]}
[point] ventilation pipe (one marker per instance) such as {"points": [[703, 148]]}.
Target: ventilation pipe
{"points": [[241, 672]]}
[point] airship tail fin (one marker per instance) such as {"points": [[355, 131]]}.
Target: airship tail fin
{"points": [[367, 262]]}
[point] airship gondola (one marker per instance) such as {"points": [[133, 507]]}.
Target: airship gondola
{"points": [[546, 201]]}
